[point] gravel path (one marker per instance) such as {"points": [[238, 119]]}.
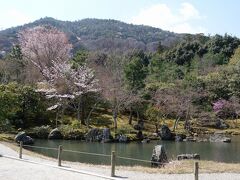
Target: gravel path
{"points": [[11, 169]]}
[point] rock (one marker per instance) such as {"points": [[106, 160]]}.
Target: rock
{"points": [[146, 140], [154, 134], [139, 135], [106, 135], [220, 124], [139, 126], [165, 133], [219, 138], [180, 137], [195, 134], [55, 134], [22, 136], [159, 156], [122, 138], [188, 156], [190, 139], [94, 135], [227, 140]]}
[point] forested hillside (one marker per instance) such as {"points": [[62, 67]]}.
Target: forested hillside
{"points": [[97, 34]]}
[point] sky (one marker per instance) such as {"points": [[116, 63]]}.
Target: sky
{"points": [[181, 16]]}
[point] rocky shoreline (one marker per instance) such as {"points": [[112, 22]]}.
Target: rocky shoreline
{"points": [[104, 135]]}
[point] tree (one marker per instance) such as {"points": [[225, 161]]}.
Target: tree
{"points": [[175, 103], [109, 71], [21, 106], [41, 45], [135, 72], [66, 83], [154, 114], [13, 67]]}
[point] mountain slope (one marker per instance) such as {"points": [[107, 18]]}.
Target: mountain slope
{"points": [[97, 34]]}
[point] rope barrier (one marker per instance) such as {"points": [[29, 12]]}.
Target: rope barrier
{"points": [[39, 147], [133, 159], [81, 152]]}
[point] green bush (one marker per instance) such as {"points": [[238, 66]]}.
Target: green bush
{"points": [[42, 131], [76, 124], [126, 129], [22, 106], [69, 132]]}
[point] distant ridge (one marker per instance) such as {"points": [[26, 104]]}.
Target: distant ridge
{"points": [[99, 34]]}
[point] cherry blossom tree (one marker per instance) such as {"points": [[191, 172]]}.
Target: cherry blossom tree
{"points": [[66, 83], [43, 44], [48, 49]]}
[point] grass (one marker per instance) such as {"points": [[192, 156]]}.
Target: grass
{"points": [[186, 166], [6, 137]]}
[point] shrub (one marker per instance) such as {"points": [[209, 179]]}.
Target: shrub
{"points": [[42, 131], [224, 109], [127, 129], [76, 124], [69, 132]]}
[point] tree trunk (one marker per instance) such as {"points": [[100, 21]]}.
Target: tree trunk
{"points": [[82, 113], [176, 124], [186, 124], [156, 127], [138, 119], [115, 118], [89, 114], [56, 119], [79, 109], [130, 117]]}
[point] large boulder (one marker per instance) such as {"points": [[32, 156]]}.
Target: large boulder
{"points": [[188, 156], [106, 135], [159, 156], [55, 134], [165, 133], [22, 136], [94, 135]]}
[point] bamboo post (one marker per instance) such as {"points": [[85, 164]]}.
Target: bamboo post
{"points": [[59, 155], [196, 167], [20, 150], [113, 162]]}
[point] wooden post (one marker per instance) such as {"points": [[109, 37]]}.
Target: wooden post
{"points": [[113, 162], [59, 155], [20, 150], [196, 167]]}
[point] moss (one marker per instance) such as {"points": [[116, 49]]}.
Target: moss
{"points": [[6, 137]]}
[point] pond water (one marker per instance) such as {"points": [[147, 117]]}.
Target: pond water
{"points": [[222, 152]]}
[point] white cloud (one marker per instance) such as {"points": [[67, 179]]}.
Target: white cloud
{"points": [[161, 16], [13, 17]]}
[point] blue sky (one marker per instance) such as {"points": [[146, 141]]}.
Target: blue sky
{"points": [[189, 16]]}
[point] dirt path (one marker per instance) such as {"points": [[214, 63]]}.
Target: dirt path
{"points": [[13, 169]]}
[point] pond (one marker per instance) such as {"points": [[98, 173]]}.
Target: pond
{"points": [[222, 152]]}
